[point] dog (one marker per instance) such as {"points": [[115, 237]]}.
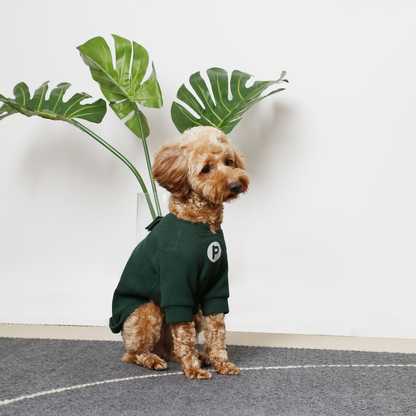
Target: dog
{"points": [[175, 284]]}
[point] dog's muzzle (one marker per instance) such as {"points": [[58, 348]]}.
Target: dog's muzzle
{"points": [[235, 187]]}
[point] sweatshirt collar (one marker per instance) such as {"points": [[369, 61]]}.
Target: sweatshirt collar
{"points": [[188, 225]]}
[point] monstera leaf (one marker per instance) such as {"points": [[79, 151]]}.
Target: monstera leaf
{"points": [[122, 86], [53, 108], [219, 111]]}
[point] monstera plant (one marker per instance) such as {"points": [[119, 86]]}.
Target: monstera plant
{"points": [[124, 86], [219, 111]]}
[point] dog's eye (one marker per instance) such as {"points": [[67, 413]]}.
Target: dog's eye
{"points": [[206, 169], [229, 162]]}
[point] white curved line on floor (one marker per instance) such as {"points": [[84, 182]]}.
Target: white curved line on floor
{"points": [[118, 380]]}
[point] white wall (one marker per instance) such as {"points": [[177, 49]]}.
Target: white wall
{"points": [[325, 240]]}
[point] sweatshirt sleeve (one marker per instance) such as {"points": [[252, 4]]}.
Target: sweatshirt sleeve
{"points": [[178, 283], [215, 297]]}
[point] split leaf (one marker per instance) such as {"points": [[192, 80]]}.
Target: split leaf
{"points": [[123, 84], [52, 108], [219, 110]]}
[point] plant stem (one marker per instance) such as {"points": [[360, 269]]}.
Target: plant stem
{"points": [[122, 158], [148, 162]]}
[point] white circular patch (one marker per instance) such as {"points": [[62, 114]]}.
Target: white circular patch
{"points": [[214, 251]]}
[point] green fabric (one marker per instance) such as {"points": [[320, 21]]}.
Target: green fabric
{"points": [[180, 266]]}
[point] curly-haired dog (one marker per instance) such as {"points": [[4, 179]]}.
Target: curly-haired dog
{"points": [[175, 283]]}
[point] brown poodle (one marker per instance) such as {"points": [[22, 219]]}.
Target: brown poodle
{"points": [[181, 267]]}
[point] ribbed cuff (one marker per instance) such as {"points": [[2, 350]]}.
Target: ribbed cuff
{"points": [[178, 314], [210, 306]]}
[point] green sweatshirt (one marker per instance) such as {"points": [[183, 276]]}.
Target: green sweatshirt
{"points": [[180, 266]]}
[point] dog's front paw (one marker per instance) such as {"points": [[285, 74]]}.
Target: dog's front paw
{"points": [[197, 373], [159, 364], [226, 368], [151, 361]]}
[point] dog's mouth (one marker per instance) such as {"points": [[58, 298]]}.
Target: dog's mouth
{"points": [[231, 197]]}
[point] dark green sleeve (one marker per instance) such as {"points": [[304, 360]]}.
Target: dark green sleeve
{"points": [[215, 297], [178, 284]]}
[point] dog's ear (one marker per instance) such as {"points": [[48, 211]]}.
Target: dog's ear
{"points": [[170, 169], [239, 159]]}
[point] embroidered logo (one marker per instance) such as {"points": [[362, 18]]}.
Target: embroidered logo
{"points": [[214, 251]]}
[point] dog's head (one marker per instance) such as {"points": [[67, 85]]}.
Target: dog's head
{"points": [[202, 160]]}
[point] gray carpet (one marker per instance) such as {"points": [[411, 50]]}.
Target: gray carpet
{"points": [[62, 377]]}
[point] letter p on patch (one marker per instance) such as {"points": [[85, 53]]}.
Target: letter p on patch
{"points": [[214, 251]]}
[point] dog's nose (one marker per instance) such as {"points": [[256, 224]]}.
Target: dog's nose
{"points": [[235, 187]]}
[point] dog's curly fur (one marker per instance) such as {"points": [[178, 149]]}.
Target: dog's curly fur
{"points": [[201, 170]]}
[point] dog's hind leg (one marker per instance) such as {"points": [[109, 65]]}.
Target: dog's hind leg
{"points": [[141, 333], [215, 344], [184, 337]]}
